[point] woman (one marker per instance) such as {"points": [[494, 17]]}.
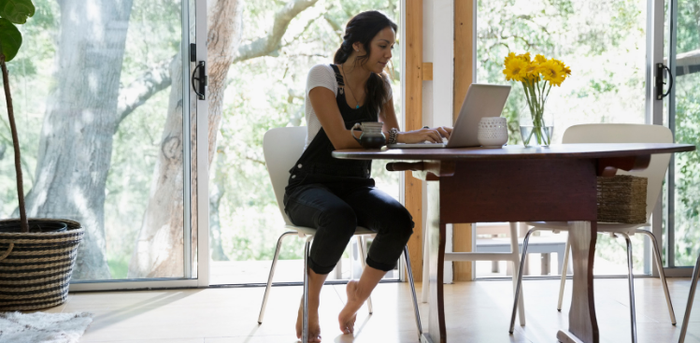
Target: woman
{"points": [[334, 196]]}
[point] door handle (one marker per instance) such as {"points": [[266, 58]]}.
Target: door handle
{"points": [[199, 80], [660, 67]]}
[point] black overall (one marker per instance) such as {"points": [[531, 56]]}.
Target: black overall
{"points": [[336, 195]]}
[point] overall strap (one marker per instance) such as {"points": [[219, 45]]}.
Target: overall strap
{"points": [[338, 76]]}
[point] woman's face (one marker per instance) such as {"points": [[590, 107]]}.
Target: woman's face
{"points": [[380, 53]]}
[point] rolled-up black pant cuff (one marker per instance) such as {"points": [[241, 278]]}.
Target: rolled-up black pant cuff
{"points": [[321, 270], [318, 269], [381, 266]]}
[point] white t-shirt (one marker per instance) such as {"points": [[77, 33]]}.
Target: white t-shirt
{"points": [[322, 75]]}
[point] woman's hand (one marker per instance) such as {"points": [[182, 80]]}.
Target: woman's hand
{"points": [[426, 134]]}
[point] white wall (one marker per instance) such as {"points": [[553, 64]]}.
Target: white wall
{"points": [[438, 48]]}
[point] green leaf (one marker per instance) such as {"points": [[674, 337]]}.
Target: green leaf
{"points": [[10, 39], [16, 11]]}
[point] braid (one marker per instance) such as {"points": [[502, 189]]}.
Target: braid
{"points": [[342, 54]]}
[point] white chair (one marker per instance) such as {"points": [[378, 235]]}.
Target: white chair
{"points": [[691, 296], [282, 147], [618, 133]]}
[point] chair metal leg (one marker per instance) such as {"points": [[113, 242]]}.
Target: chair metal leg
{"points": [[520, 279], [305, 320], [425, 285], [662, 274], [272, 273], [689, 306], [516, 261], [363, 256], [520, 298], [630, 278], [564, 269], [409, 272]]}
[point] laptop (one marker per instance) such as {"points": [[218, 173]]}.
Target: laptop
{"points": [[482, 100]]}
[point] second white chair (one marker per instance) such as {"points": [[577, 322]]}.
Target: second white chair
{"points": [[655, 172]]}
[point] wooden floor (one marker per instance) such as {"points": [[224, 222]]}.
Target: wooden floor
{"points": [[476, 312]]}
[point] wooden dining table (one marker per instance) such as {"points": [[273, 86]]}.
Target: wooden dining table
{"points": [[517, 184]]}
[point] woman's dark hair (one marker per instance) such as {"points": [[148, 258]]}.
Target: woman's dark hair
{"points": [[362, 28]]}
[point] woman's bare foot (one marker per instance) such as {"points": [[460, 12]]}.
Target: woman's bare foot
{"points": [[348, 314], [314, 327]]}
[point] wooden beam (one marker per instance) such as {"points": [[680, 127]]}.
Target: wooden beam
{"points": [[463, 77], [427, 71], [463, 51], [414, 120]]}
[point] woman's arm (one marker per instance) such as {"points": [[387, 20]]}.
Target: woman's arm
{"points": [[326, 108], [388, 116]]}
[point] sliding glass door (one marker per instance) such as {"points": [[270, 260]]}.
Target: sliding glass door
{"points": [[106, 113], [682, 56]]}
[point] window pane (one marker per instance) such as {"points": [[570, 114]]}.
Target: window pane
{"points": [[602, 41], [687, 114], [101, 132], [266, 91], [604, 44]]}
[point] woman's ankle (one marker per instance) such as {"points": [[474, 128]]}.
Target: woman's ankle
{"points": [[314, 303], [368, 281]]}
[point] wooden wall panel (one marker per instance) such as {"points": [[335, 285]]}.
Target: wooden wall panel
{"points": [[463, 11], [463, 77], [414, 120]]}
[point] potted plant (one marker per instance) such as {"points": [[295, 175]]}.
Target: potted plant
{"points": [[36, 255]]}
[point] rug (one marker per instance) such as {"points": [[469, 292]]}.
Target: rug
{"points": [[43, 327]]}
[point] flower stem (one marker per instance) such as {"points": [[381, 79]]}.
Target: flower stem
{"points": [[536, 94]]}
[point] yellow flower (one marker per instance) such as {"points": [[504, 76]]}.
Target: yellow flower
{"points": [[525, 57], [515, 69], [553, 72], [533, 71], [564, 67], [509, 58]]}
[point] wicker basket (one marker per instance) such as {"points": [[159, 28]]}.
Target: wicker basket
{"points": [[622, 199], [35, 268]]}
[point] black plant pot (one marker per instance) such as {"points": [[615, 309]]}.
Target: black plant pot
{"points": [[35, 225]]}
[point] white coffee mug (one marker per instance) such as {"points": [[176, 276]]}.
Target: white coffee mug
{"points": [[493, 132]]}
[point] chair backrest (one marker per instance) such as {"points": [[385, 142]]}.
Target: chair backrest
{"points": [[282, 147], [629, 133]]}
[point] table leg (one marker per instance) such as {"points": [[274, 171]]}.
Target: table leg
{"points": [[583, 325], [436, 262]]}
